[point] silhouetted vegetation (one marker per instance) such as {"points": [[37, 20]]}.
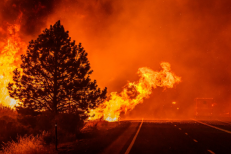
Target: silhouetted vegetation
{"points": [[35, 134], [7, 111], [53, 85], [28, 145], [55, 76]]}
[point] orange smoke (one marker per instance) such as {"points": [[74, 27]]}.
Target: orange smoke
{"points": [[134, 93], [9, 60]]}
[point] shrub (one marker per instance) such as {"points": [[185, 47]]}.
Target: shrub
{"points": [[7, 111], [27, 120], [69, 126], [45, 121], [27, 145], [10, 128], [69, 122]]}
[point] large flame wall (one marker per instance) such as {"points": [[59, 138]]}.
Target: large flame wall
{"points": [[134, 93], [9, 60]]}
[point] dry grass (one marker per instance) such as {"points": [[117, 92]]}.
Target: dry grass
{"points": [[14, 126], [27, 145]]}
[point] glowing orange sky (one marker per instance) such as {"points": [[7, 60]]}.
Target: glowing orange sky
{"points": [[121, 36]]}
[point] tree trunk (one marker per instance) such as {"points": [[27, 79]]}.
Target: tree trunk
{"points": [[55, 86]]}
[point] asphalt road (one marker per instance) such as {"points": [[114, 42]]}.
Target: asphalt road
{"points": [[181, 137]]}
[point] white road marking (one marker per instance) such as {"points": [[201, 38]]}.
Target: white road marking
{"points": [[133, 141], [195, 140], [211, 151], [118, 144], [224, 130]]}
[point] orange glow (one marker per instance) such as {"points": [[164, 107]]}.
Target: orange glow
{"points": [[134, 93], [173, 103], [122, 36], [8, 62]]}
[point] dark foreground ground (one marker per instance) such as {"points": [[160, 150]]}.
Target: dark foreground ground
{"points": [[158, 137]]}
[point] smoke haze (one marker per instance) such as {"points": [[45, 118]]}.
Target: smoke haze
{"points": [[122, 36]]}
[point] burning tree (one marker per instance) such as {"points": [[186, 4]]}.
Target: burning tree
{"points": [[54, 75]]}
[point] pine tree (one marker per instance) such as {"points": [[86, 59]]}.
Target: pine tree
{"points": [[54, 75]]}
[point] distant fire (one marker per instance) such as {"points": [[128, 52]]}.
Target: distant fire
{"points": [[9, 61], [134, 93]]}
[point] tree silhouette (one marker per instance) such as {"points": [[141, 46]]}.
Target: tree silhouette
{"points": [[54, 75]]}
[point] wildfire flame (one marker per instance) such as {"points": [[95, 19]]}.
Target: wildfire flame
{"points": [[9, 61], [134, 93]]}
